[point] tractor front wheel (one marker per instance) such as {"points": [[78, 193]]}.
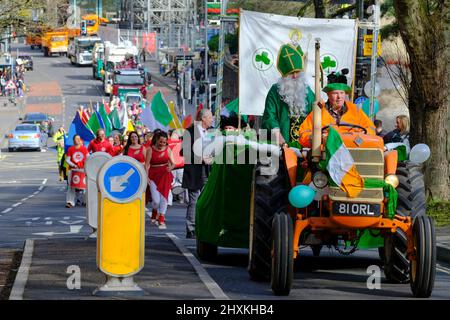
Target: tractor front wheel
{"points": [[282, 255], [423, 267], [411, 203]]}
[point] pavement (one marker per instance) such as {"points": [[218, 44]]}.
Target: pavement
{"points": [[167, 273], [443, 244]]}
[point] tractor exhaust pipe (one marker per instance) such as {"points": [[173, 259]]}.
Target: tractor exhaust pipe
{"points": [[317, 112]]}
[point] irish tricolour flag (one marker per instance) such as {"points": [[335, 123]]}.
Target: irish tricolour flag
{"points": [[341, 166]]}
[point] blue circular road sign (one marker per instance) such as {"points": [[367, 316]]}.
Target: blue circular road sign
{"points": [[122, 179]]}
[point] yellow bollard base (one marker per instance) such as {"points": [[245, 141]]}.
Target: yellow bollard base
{"points": [[115, 286]]}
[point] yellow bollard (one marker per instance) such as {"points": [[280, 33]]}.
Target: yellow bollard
{"points": [[121, 224]]}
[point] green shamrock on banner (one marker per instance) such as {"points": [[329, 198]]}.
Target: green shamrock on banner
{"points": [[263, 57], [328, 62]]}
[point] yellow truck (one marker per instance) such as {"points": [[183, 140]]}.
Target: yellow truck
{"points": [[55, 42]]}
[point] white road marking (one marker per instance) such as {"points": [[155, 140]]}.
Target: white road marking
{"points": [[16, 204], [35, 219], [66, 218], [70, 222], [48, 218], [24, 199], [48, 223], [7, 210], [24, 269], [44, 182], [40, 188], [31, 196], [36, 193], [73, 230], [442, 269], [209, 282]]}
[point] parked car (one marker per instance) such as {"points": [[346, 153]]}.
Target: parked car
{"points": [[42, 119], [27, 61], [27, 136]]}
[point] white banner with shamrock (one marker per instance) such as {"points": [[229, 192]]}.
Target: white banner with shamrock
{"points": [[261, 36]]}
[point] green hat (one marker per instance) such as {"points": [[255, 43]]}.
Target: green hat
{"points": [[337, 86], [290, 59], [338, 81]]}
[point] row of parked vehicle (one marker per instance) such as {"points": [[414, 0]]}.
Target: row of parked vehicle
{"points": [[32, 133]]}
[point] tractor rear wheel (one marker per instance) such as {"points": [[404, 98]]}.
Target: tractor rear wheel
{"points": [[423, 268], [282, 254], [411, 203], [269, 197]]}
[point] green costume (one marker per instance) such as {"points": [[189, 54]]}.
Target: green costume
{"points": [[276, 114], [276, 111]]}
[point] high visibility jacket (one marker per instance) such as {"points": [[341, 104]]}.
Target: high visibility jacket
{"points": [[353, 115]]}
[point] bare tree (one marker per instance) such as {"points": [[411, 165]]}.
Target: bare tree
{"points": [[423, 25]]}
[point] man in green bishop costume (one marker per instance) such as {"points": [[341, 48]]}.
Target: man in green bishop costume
{"points": [[290, 100]]}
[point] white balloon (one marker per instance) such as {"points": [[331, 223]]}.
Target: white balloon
{"points": [[419, 153], [367, 89]]}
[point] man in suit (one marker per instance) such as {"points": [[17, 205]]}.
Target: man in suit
{"points": [[196, 168]]}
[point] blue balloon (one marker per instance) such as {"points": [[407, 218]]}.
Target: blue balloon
{"points": [[301, 196], [366, 107]]}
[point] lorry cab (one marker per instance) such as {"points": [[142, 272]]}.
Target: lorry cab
{"points": [[98, 54], [81, 48], [126, 81]]}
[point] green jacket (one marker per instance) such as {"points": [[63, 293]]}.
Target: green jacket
{"points": [[57, 137], [276, 111]]}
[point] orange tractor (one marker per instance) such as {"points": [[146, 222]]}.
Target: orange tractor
{"points": [[391, 206]]}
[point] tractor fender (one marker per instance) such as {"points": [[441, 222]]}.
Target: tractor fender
{"points": [[390, 162]]}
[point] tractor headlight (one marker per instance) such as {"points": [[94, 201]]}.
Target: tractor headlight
{"points": [[320, 180], [392, 179]]}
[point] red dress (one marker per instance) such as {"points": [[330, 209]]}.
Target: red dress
{"points": [[137, 154], [116, 150], [159, 175]]}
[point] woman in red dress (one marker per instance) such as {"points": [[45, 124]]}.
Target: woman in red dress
{"points": [[76, 158], [134, 149], [159, 164], [117, 147]]}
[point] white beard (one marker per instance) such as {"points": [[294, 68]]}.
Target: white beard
{"points": [[293, 93]]}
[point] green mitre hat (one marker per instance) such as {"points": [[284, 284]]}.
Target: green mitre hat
{"points": [[290, 59], [338, 81]]}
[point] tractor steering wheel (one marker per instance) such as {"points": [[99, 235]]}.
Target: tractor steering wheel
{"points": [[346, 125]]}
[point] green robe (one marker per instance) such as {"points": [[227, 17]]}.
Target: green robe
{"points": [[276, 113]]}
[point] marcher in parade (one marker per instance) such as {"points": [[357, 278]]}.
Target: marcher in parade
{"points": [[337, 110], [75, 158], [134, 149], [58, 138], [196, 168], [100, 143], [289, 100], [159, 164], [117, 147]]}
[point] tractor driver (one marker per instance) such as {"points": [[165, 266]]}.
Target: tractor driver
{"points": [[337, 110]]}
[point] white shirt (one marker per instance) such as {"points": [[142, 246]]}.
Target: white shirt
{"points": [[201, 130]]}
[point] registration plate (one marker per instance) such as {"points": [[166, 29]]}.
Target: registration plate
{"points": [[356, 209], [24, 137]]}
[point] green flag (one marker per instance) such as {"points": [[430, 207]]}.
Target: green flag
{"points": [[160, 110], [115, 120], [94, 123], [106, 121], [233, 107]]}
